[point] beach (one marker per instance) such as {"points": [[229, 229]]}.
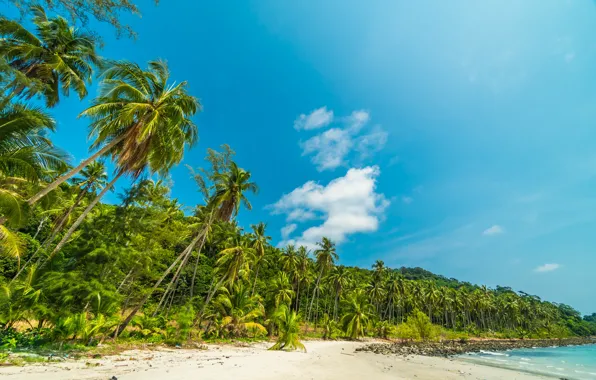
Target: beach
{"points": [[323, 360]]}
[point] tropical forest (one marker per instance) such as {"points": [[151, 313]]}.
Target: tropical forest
{"points": [[78, 271]]}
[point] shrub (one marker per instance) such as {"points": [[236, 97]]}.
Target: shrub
{"points": [[418, 326]]}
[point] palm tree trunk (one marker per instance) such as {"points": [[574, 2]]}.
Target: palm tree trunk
{"points": [[335, 306], [205, 233], [55, 231], [41, 223], [138, 307], [314, 293], [298, 296], [254, 284], [82, 217], [125, 279], [210, 296], [60, 180]]}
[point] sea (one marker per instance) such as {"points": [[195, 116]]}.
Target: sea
{"points": [[572, 362]]}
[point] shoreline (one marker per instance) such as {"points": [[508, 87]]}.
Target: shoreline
{"points": [[323, 360], [460, 347]]}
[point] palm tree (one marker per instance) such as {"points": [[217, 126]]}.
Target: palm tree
{"points": [[239, 310], [358, 314], [288, 324], [258, 243], [379, 269], [60, 56], [145, 122], [93, 178], [138, 119], [281, 289], [326, 257], [230, 190], [232, 264], [26, 159], [302, 270], [340, 279]]}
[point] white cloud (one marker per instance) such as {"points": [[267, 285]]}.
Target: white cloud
{"points": [[547, 268], [407, 200], [316, 119], [371, 143], [300, 215], [357, 120], [494, 230], [287, 230], [348, 204], [331, 148]]}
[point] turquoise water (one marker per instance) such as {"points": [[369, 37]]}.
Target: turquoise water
{"points": [[574, 362]]}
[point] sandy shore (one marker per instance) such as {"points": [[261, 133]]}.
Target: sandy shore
{"points": [[324, 360]]}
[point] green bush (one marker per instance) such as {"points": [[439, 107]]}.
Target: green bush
{"points": [[418, 327]]}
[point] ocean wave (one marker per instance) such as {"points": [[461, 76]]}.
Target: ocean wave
{"points": [[493, 353]]}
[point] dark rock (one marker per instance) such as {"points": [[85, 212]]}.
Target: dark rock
{"points": [[458, 347]]}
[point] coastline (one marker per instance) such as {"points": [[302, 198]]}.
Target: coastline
{"points": [[459, 347], [323, 360]]}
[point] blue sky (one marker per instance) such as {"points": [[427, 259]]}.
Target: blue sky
{"points": [[457, 136]]}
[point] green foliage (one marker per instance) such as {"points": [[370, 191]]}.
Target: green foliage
{"points": [[145, 268], [418, 326], [358, 314], [288, 324]]}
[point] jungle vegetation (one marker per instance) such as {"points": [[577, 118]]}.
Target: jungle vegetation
{"points": [[74, 269]]}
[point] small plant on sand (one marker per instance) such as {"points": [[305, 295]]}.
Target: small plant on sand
{"points": [[288, 325]]}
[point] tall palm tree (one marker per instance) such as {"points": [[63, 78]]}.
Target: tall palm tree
{"points": [[259, 241], [59, 56], [231, 187], [326, 256], [139, 119], [144, 121], [340, 278], [302, 270]]}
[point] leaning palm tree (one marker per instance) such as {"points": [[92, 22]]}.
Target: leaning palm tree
{"points": [[288, 324], [56, 56], [145, 122], [229, 186], [139, 119], [93, 178]]}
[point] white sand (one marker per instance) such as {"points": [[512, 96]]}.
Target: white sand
{"points": [[324, 360]]}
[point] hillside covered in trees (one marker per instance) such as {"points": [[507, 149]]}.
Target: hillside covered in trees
{"points": [[74, 269]]}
